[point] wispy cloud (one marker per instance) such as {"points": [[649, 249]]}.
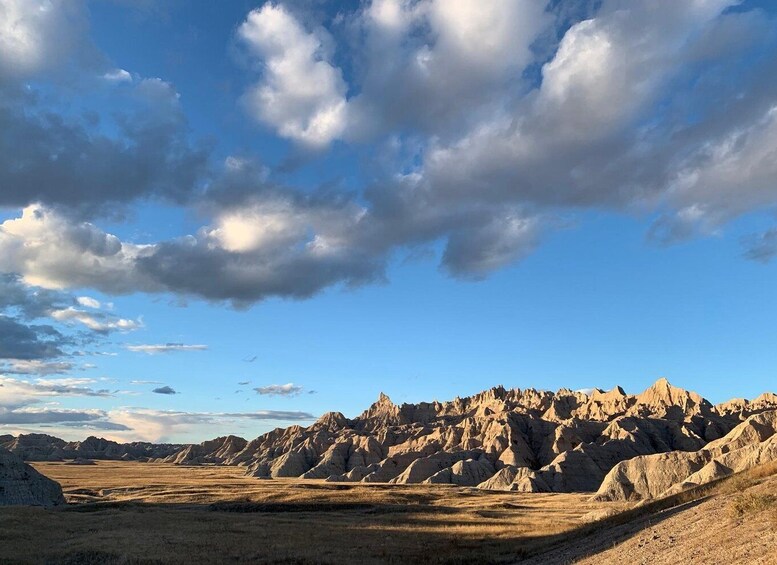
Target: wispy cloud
{"points": [[289, 389], [31, 415], [15, 392], [154, 349], [37, 367], [96, 321], [158, 425], [88, 302]]}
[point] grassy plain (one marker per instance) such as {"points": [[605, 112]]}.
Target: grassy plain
{"points": [[136, 513]]}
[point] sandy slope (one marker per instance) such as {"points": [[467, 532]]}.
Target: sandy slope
{"points": [[698, 532]]}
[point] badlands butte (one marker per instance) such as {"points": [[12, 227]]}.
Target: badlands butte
{"points": [[622, 447]]}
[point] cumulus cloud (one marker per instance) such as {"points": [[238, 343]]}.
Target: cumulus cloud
{"points": [[501, 120], [300, 93], [51, 251], [164, 390], [70, 160], [29, 342], [250, 254], [289, 389], [439, 66], [29, 302], [38, 35], [155, 349]]}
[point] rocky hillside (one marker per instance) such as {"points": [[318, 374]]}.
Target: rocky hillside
{"points": [[42, 447], [524, 440], [751, 443], [20, 484], [519, 440]]}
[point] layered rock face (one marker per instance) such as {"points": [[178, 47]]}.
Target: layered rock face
{"points": [[20, 484], [522, 440], [518, 440], [751, 443], [216, 452], [42, 447]]}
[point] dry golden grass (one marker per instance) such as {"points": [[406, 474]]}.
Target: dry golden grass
{"points": [[750, 503], [688, 527], [131, 512]]}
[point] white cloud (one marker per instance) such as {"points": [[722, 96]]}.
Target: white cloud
{"points": [[37, 367], [165, 348], [37, 34], [94, 322], [725, 178], [438, 66], [15, 392], [51, 251], [301, 93], [289, 389], [118, 75], [159, 425], [88, 302], [272, 226]]}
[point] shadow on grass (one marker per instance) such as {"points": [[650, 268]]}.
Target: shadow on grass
{"points": [[349, 532]]}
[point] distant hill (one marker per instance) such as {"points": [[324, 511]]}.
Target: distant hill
{"points": [[43, 447]]}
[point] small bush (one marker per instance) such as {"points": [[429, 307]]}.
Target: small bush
{"points": [[749, 503]]}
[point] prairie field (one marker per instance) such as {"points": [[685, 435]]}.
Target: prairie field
{"points": [[135, 513], [128, 512]]}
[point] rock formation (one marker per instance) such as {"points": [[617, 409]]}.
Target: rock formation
{"points": [[215, 452], [20, 484], [521, 440], [751, 443], [518, 440], [42, 447]]}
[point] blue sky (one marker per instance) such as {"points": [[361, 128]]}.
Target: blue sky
{"points": [[325, 200]]}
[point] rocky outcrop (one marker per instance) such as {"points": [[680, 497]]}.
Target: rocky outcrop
{"points": [[512, 439], [521, 440], [466, 473], [20, 484], [214, 452], [42, 447], [751, 443]]}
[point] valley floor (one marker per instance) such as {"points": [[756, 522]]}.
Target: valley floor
{"points": [[137, 513], [152, 513]]}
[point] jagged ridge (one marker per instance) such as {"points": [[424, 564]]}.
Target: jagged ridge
{"points": [[525, 440]]}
